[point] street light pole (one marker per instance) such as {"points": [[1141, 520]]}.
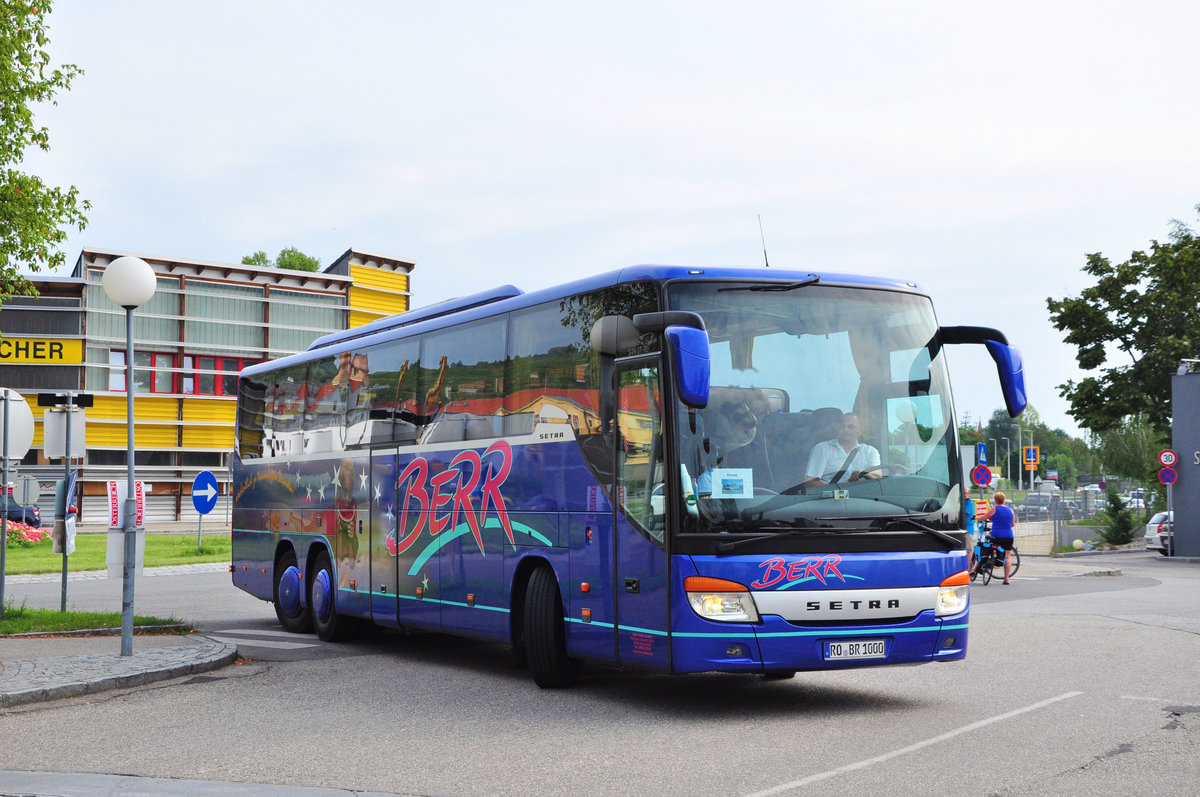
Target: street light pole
{"points": [[1007, 458], [129, 282]]}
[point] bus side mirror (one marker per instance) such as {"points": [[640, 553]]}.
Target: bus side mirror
{"points": [[613, 335], [690, 359], [1008, 361], [1012, 375]]}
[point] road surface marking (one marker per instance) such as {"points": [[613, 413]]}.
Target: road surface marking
{"points": [[879, 759]]}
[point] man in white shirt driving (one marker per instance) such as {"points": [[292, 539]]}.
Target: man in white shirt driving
{"points": [[843, 458]]}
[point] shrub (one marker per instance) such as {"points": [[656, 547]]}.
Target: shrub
{"points": [[1120, 526], [23, 536]]}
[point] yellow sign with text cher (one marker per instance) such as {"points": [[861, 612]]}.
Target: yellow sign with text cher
{"points": [[40, 351]]}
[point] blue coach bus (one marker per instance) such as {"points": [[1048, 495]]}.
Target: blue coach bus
{"points": [[633, 469]]}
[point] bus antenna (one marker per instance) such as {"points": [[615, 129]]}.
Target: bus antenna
{"points": [[766, 263]]}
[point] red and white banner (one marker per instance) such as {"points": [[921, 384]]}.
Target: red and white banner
{"points": [[116, 504]]}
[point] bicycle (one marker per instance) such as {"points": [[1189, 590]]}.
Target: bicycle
{"points": [[989, 555]]}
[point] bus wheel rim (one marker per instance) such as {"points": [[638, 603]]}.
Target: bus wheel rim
{"points": [[289, 592], [322, 595]]}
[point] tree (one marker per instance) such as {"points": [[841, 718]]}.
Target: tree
{"points": [[1120, 526], [1131, 451], [1065, 466], [32, 214], [1148, 310], [290, 257], [296, 260]]}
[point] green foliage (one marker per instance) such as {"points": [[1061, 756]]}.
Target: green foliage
{"points": [[296, 260], [291, 258], [23, 620], [20, 535], [91, 551], [1131, 450], [1148, 310], [1067, 473], [1120, 526], [970, 435], [259, 258], [32, 214]]}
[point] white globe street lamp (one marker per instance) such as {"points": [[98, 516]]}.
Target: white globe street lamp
{"points": [[129, 282]]}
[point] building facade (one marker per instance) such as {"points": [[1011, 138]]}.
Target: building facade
{"points": [[206, 321]]}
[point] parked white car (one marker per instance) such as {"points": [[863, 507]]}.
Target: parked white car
{"points": [[1159, 532]]}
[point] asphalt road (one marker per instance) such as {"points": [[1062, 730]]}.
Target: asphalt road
{"points": [[1074, 685]]}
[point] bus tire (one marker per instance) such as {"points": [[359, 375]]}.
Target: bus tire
{"points": [[545, 632], [322, 601], [293, 615]]}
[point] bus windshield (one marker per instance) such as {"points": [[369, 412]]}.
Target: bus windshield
{"points": [[829, 410]]}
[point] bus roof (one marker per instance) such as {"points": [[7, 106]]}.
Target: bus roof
{"points": [[508, 297]]}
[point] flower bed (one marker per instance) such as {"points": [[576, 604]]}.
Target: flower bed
{"points": [[23, 536]]}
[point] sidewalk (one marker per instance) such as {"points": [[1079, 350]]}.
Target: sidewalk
{"points": [[52, 668]]}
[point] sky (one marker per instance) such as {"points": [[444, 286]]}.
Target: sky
{"points": [[980, 150]]}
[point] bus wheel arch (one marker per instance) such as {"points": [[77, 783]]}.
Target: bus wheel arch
{"points": [[289, 595]]}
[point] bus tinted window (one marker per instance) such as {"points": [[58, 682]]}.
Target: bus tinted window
{"points": [[464, 370]]}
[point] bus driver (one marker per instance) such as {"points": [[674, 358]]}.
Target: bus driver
{"points": [[843, 458]]}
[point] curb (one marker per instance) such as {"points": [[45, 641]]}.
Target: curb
{"points": [[158, 664]]}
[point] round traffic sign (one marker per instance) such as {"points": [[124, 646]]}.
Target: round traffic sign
{"points": [[27, 491], [204, 492], [981, 476], [20, 424], [1167, 475], [1167, 458]]}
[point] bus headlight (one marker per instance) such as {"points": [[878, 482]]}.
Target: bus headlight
{"points": [[718, 599], [953, 595]]}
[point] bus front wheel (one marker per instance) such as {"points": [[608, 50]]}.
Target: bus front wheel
{"points": [[545, 632], [322, 590], [289, 585]]}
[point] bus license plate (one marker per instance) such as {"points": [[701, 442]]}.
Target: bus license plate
{"points": [[855, 649]]}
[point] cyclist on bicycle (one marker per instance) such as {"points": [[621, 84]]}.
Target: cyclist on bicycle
{"points": [[1003, 519]]}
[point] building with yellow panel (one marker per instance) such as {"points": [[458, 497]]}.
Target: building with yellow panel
{"points": [[206, 321]]}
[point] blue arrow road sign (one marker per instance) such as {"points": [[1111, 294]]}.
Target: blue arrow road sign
{"points": [[204, 492]]}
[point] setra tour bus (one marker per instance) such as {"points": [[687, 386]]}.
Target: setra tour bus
{"points": [[681, 469]]}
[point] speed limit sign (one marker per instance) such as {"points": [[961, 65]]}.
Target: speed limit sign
{"points": [[1167, 458]]}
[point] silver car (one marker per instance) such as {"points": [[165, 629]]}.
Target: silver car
{"points": [[1159, 532]]}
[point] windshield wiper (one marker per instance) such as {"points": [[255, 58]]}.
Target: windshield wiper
{"points": [[782, 286], [941, 535], [791, 531], [747, 525]]}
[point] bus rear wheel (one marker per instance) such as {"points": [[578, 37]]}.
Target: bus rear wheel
{"points": [[289, 586], [322, 592], [545, 632]]}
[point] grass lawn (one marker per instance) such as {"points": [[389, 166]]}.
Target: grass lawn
{"points": [[23, 620], [91, 550]]}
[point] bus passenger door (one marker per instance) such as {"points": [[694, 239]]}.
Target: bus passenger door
{"points": [[639, 537], [383, 526]]}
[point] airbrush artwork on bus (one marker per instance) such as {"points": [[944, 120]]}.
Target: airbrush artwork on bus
{"points": [[396, 515]]}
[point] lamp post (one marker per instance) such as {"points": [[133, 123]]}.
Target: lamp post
{"points": [[1007, 459], [129, 282]]}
